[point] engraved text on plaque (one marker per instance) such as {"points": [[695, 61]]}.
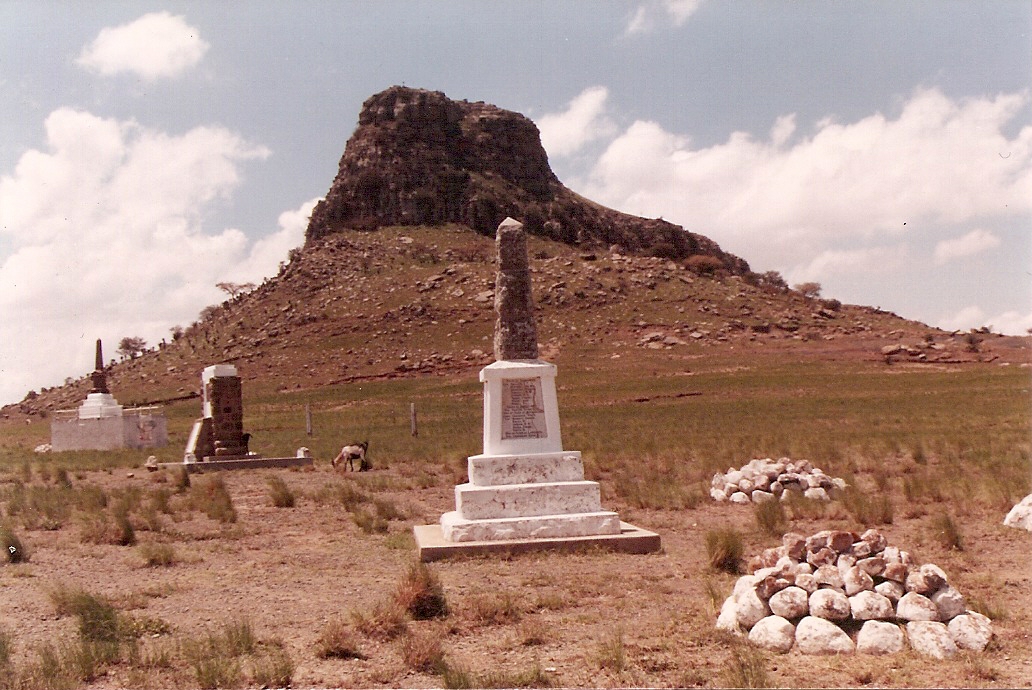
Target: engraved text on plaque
{"points": [[523, 411]]}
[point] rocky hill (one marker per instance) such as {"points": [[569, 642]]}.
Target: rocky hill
{"points": [[415, 296], [418, 157]]}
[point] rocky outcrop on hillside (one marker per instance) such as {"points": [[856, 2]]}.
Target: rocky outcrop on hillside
{"points": [[418, 157]]}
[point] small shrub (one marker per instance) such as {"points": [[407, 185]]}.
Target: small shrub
{"points": [[703, 264], [62, 479], [214, 672], [770, 517], [275, 670], [866, 509], [745, 668], [724, 547], [99, 620], [212, 498], [182, 480], [533, 632], [160, 500], [423, 651], [13, 549], [385, 622], [369, 522], [158, 555], [386, 510], [421, 594], [494, 609], [947, 533], [280, 493], [238, 638], [610, 653], [6, 648], [338, 641]]}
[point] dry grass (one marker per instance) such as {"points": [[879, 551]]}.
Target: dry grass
{"points": [[280, 493], [421, 594], [423, 651], [338, 641], [725, 550]]}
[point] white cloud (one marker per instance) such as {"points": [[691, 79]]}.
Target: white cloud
{"points": [[838, 262], [974, 242], [582, 122], [154, 46], [967, 318], [857, 184], [105, 237], [649, 15]]}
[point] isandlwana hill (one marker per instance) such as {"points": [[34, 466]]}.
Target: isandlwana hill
{"points": [[396, 274]]}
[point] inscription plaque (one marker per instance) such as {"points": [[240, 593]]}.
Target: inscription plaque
{"points": [[523, 410]]}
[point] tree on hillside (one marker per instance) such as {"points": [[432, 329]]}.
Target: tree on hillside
{"points": [[131, 347], [811, 290], [234, 290]]}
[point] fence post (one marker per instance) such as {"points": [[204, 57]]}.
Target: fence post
{"points": [[308, 418], [412, 419]]}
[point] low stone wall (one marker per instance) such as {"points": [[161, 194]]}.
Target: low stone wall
{"points": [[131, 430], [809, 591]]}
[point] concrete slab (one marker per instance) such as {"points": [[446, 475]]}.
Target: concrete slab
{"points": [[237, 464], [432, 546]]}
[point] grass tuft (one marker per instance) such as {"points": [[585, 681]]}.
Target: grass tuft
{"points": [[770, 517], [338, 641], [280, 493], [725, 548], [423, 651], [421, 594], [13, 549], [947, 532], [745, 668], [211, 497]]}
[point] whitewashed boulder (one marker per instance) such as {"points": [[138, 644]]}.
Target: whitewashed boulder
{"points": [[880, 637], [728, 618], [791, 602], [875, 539], [806, 582], [856, 580], [949, 601], [828, 576], [895, 571], [931, 639], [829, 604], [739, 498], [718, 495], [819, 636], [890, 590], [750, 608], [872, 565], [1020, 516], [760, 496], [868, 605], [971, 631], [916, 607], [745, 582], [774, 633]]}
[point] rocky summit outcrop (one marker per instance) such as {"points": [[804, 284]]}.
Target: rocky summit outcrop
{"points": [[418, 157]]}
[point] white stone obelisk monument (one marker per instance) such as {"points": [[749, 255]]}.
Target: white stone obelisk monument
{"points": [[524, 485]]}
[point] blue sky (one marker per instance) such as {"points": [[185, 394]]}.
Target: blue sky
{"points": [[151, 149]]}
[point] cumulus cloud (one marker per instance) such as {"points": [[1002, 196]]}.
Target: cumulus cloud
{"points": [[583, 121], [649, 15], [786, 200], [103, 234], [155, 46], [975, 242]]}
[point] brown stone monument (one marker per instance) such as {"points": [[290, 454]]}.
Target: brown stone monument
{"points": [[98, 377], [515, 336]]}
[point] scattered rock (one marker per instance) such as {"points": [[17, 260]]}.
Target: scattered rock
{"points": [[1020, 516], [971, 631]]}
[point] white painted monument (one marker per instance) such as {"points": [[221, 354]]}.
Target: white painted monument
{"points": [[524, 488]]}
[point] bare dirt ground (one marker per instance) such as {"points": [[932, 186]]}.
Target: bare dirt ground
{"points": [[592, 619]]}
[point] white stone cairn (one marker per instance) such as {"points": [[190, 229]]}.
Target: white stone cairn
{"points": [[764, 479], [524, 485], [833, 581]]}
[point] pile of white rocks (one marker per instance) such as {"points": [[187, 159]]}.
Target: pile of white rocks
{"points": [[810, 591], [763, 479], [1020, 516]]}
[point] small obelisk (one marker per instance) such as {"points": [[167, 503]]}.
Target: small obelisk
{"points": [[98, 376], [515, 335]]}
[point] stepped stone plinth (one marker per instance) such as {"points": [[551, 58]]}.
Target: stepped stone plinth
{"points": [[524, 491]]}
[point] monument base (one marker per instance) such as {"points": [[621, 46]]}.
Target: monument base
{"points": [[455, 528], [432, 545]]}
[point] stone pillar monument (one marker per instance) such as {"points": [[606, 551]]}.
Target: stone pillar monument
{"points": [[99, 403], [219, 434], [524, 485]]}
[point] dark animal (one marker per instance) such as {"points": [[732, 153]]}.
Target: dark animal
{"points": [[348, 455]]}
